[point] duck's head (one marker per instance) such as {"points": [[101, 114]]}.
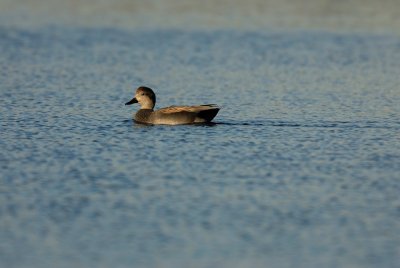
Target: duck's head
{"points": [[145, 97]]}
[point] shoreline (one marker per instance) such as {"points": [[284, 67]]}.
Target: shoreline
{"points": [[327, 16]]}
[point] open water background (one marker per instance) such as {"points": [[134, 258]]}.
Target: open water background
{"points": [[301, 168]]}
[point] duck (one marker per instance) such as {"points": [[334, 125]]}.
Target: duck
{"points": [[172, 115]]}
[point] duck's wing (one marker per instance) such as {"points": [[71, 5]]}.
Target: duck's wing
{"points": [[191, 109]]}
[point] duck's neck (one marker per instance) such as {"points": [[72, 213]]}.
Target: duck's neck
{"points": [[147, 108], [147, 105]]}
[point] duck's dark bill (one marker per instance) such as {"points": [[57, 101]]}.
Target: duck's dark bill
{"points": [[132, 101]]}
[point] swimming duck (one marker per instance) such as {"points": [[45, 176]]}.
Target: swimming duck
{"points": [[173, 115]]}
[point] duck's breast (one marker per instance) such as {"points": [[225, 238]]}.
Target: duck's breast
{"points": [[144, 116]]}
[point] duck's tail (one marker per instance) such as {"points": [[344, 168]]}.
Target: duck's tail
{"points": [[208, 112]]}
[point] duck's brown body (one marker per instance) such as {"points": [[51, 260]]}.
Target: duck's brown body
{"points": [[173, 115]]}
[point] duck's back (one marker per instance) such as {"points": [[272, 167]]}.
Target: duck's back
{"points": [[189, 114], [192, 109], [175, 115]]}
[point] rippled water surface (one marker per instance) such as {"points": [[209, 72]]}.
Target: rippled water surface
{"points": [[301, 168]]}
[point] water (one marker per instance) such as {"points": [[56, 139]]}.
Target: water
{"points": [[301, 168]]}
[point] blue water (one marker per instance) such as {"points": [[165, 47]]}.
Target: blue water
{"points": [[301, 169]]}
